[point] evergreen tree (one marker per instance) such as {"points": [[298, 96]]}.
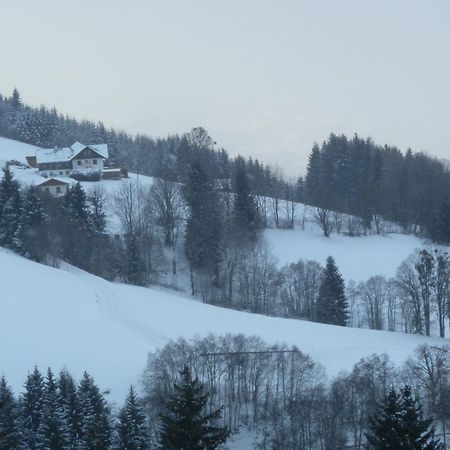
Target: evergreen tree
{"points": [[204, 225], [245, 208], [31, 406], [30, 238], [76, 230], [67, 402], [312, 180], [52, 432], [185, 425], [10, 208], [95, 426], [399, 425], [441, 225], [131, 429], [16, 101], [9, 426], [332, 306]]}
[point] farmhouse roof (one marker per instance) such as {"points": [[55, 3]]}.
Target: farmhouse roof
{"points": [[53, 182], [65, 154]]}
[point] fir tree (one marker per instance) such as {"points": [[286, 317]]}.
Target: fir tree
{"points": [[31, 406], [95, 426], [204, 225], [131, 429], [16, 101], [52, 433], [30, 238], [10, 208], [400, 425], [185, 425], [441, 225], [332, 306], [9, 425], [68, 406], [245, 209]]}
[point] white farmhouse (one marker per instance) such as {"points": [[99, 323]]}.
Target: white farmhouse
{"points": [[53, 162]]}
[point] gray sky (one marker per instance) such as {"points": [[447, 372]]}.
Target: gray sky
{"points": [[265, 78]]}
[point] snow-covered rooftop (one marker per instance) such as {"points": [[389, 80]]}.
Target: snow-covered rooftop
{"points": [[64, 154]]}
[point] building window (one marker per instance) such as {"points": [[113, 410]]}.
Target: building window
{"points": [[58, 189], [78, 162], [47, 189], [61, 172], [94, 161]]}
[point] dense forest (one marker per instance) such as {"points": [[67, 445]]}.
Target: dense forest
{"points": [[358, 177]]}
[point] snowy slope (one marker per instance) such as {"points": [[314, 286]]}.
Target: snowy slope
{"points": [[68, 318], [11, 150], [358, 258]]}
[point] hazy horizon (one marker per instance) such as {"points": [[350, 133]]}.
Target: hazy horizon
{"points": [[267, 79]]}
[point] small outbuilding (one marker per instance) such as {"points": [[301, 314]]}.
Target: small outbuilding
{"points": [[54, 187]]}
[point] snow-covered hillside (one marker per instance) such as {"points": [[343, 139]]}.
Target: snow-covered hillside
{"points": [[68, 318]]}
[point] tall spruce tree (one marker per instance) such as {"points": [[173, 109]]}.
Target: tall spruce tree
{"points": [[332, 305], [245, 208], [31, 238], [441, 223], [399, 425], [10, 208], [204, 224], [9, 419], [185, 424], [52, 432], [95, 423], [131, 428], [76, 232], [31, 407], [68, 405]]}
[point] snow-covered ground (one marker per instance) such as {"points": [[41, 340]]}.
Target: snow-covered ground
{"points": [[68, 318], [358, 258]]}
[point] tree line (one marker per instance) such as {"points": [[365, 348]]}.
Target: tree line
{"points": [[284, 395], [56, 413], [358, 177], [168, 158]]}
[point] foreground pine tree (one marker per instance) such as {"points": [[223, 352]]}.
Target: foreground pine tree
{"points": [[31, 405], [400, 425], [332, 306], [131, 429], [95, 424], [9, 429], [185, 424]]}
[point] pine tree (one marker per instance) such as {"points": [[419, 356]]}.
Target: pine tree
{"points": [[95, 424], [131, 429], [185, 425], [16, 101], [30, 238], [245, 208], [399, 425], [30, 407], [332, 306], [52, 434], [441, 223], [9, 420], [68, 406], [10, 208], [76, 223], [204, 225]]}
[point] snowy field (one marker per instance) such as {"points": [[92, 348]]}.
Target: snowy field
{"points": [[358, 258], [68, 318]]}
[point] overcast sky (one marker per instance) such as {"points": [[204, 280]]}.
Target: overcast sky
{"points": [[266, 78]]}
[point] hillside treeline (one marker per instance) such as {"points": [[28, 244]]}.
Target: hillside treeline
{"points": [[196, 392], [358, 177], [168, 158], [283, 394]]}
